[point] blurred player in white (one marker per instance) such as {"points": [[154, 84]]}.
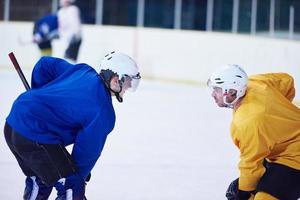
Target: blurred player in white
{"points": [[70, 28]]}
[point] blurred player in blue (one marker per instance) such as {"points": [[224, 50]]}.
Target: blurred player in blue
{"points": [[68, 104], [44, 31]]}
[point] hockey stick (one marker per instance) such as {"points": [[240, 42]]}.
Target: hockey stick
{"points": [[19, 70]]}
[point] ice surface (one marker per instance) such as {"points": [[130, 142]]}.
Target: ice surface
{"points": [[170, 143]]}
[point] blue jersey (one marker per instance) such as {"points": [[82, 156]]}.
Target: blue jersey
{"points": [[68, 104], [46, 27]]}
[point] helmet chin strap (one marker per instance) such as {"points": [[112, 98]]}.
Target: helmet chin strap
{"points": [[117, 94], [119, 98]]}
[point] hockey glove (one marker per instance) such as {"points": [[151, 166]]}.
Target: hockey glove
{"points": [[233, 192], [88, 178], [73, 185]]}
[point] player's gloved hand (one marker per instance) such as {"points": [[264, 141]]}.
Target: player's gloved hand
{"points": [[233, 192], [37, 38], [73, 185], [88, 178]]}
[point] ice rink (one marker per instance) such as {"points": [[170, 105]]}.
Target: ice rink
{"points": [[170, 143]]}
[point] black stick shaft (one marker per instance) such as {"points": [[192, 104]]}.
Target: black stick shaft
{"points": [[19, 70]]}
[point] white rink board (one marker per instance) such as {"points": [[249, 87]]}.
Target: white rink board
{"points": [[165, 53]]}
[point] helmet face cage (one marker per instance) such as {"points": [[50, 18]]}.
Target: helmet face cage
{"points": [[230, 77], [134, 81]]}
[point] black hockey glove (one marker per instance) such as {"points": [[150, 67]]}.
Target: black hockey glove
{"points": [[88, 178], [233, 192]]}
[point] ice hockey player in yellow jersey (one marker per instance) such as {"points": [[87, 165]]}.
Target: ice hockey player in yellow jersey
{"points": [[265, 128]]}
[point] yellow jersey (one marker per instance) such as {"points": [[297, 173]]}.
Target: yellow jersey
{"points": [[266, 126]]}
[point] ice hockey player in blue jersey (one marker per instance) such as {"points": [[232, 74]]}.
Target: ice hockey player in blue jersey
{"points": [[68, 104], [44, 31]]}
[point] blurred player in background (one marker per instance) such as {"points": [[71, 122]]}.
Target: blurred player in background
{"points": [[66, 25], [70, 28], [265, 128], [44, 31], [67, 104]]}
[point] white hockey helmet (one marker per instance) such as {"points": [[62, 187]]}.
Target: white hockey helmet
{"points": [[124, 66], [229, 77]]}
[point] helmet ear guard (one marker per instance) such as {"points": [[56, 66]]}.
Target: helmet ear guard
{"points": [[107, 75]]}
